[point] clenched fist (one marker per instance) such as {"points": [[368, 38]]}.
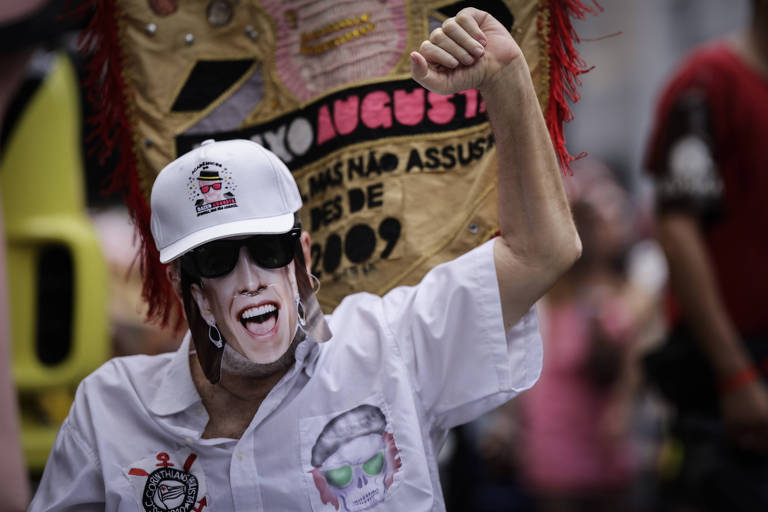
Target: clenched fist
{"points": [[469, 51]]}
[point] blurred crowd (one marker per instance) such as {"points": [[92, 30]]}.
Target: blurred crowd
{"points": [[586, 437], [652, 393]]}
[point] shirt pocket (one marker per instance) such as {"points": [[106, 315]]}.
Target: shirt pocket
{"points": [[350, 457]]}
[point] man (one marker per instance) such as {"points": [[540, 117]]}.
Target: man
{"points": [[255, 412], [708, 157]]}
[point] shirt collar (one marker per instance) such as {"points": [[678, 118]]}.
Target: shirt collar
{"points": [[176, 391], [306, 355]]}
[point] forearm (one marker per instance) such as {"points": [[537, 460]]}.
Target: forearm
{"points": [[693, 281], [535, 221]]}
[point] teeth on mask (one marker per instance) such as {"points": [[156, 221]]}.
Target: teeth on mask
{"points": [[258, 311]]}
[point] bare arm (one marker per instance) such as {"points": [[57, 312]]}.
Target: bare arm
{"points": [[694, 284], [538, 238], [745, 409]]}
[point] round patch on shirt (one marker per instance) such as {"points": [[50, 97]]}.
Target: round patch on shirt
{"points": [[164, 483]]}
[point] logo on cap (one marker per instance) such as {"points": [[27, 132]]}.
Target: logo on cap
{"points": [[211, 188]]}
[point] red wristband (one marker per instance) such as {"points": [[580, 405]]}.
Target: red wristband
{"points": [[746, 375]]}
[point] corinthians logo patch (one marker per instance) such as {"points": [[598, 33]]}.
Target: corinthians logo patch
{"points": [[162, 485], [211, 188]]}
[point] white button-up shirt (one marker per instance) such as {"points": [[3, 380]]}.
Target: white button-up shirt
{"points": [[355, 424]]}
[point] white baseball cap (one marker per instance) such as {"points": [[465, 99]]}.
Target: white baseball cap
{"points": [[220, 190]]}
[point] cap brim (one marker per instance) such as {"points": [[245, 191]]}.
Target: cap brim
{"points": [[268, 226]]}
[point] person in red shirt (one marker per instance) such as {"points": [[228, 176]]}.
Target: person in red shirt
{"points": [[708, 156]]}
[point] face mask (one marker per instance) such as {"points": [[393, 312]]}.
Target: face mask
{"points": [[210, 353]]}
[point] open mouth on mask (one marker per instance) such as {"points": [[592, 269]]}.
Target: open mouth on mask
{"points": [[261, 319]]}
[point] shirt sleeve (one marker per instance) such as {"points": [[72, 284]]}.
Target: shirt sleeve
{"points": [[686, 176], [683, 154], [450, 332], [72, 479]]}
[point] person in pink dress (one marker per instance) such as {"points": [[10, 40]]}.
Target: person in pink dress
{"points": [[574, 450]]}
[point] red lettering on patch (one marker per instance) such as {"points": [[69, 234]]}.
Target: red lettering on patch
{"points": [[409, 106], [471, 109], [325, 131], [442, 110], [345, 114], [375, 111]]}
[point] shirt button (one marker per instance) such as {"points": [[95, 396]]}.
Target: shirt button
{"points": [[239, 456]]}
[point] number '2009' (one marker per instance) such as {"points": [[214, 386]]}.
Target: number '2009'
{"points": [[358, 245]]}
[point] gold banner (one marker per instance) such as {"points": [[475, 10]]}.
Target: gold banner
{"points": [[395, 179]]}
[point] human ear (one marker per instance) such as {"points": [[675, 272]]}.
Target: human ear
{"points": [[173, 274], [202, 303], [306, 248]]}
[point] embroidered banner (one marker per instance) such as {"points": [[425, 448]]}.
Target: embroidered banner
{"points": [[395, 179]]}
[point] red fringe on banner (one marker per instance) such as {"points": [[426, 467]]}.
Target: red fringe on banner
{"points": [[112, 127], [565, 66], [112, 131]]}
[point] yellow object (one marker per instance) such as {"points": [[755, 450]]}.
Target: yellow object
{"points": [[670, 458], [41, 415], [43, 200]]}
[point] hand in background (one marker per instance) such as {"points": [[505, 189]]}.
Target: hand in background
{"points": [[745, 413]]}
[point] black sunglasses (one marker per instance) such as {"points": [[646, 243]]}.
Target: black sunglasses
{"points": [[218, 258]]}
